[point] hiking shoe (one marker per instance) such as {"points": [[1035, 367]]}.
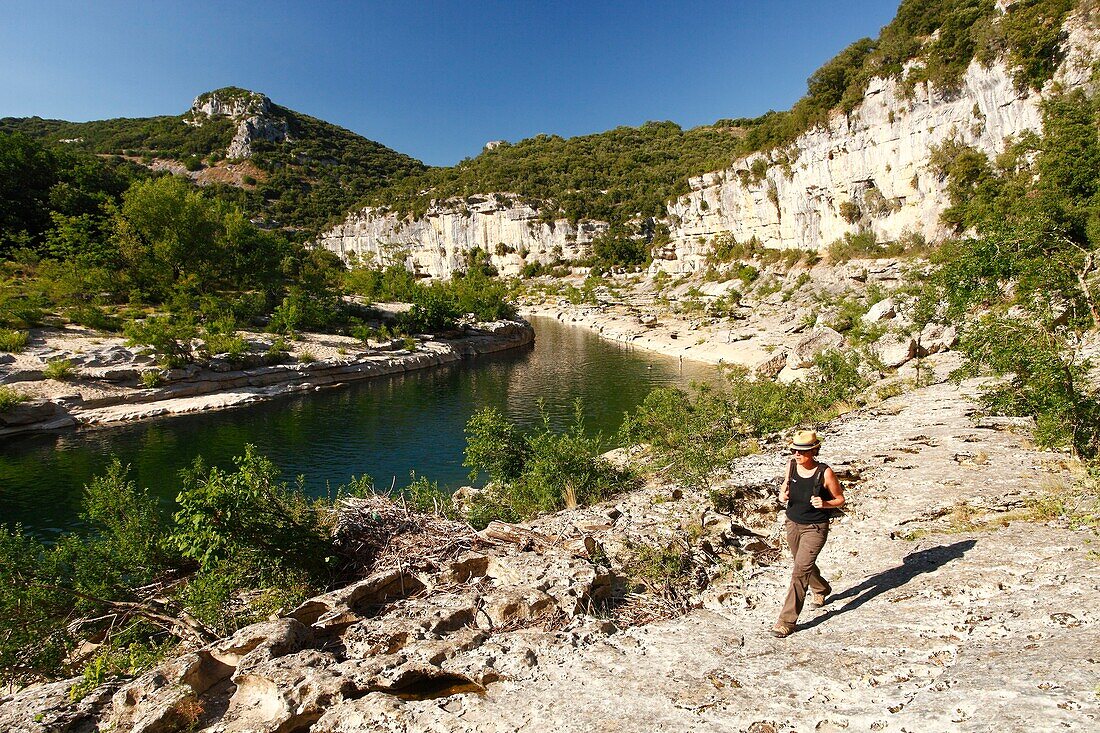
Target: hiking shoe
{"points": [[782, 630], [817, 600]]}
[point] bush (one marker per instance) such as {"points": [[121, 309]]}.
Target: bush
{"points": [[10, 397], [619, 250], [664, 568], [1042, 377], [857, 246], [425, 496], [59, 369], [169, 336], [695, 435], [539, 471], [51, 596], [303, 310], [13, 341], [94, 317], [220, 338], [223, 515]]}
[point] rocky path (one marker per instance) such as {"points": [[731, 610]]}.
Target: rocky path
{"points": [[970, 631], [962, 602]]}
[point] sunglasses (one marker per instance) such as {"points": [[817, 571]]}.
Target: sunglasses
{"points": [[800, 450]]}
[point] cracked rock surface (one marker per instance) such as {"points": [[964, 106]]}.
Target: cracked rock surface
{"points": [[933, 625]]}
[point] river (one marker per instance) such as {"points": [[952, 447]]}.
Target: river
{"points": [[384, 427]]}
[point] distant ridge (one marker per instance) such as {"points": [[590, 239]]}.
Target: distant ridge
{"points": [[285, 168]]}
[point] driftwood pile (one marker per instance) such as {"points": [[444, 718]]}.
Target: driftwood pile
{"points": [[382, 533]]}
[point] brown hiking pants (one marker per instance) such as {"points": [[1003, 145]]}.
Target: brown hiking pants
{"points": [[806, 541]]}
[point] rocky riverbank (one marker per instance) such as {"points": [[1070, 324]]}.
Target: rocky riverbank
{"points": [[774, 328], [105, 384], [963, 601]]}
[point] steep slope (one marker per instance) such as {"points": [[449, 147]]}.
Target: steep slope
{"points": [[851, 156], [286, 167]]}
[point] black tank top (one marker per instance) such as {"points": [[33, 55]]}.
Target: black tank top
{"points": [[799, 508]]}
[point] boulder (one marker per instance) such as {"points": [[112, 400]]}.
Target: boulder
{"points": [[30, 412], [788, 375], [937, 337], [881, 311], [822, 338], [511, 604], [166, 698], [772, 366], [895, 350]]}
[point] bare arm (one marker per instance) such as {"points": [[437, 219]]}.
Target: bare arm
{"points": [[834, 489], [785, 489]]}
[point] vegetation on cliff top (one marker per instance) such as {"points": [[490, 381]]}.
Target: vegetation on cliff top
{"points": [[630, 173]]}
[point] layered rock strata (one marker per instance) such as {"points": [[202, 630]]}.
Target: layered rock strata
{"points": [[866, 171]]}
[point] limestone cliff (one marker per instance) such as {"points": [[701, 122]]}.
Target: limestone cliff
{"points": [[876, 160], [500, 224], [865, 171]]}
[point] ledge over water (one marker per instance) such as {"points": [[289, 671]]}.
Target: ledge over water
{"points": [[203, 389]]}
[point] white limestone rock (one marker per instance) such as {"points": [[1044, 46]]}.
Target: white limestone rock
{"points": [[880, 311], [822, 338], [895, 350]]}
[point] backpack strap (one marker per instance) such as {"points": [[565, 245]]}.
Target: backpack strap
{"points": [[819, 479], [790, 467]]}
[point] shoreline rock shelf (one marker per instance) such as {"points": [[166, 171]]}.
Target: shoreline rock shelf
{"points": [[933, 626], [205, 389]]}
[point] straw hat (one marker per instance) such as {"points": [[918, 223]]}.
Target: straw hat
{"points": [[805, 440]]}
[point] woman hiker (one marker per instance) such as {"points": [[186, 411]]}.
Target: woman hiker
{"points": [[810, 491]]}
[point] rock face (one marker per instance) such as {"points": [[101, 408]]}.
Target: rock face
{"points": [[874, 163], [254, 114], [510, 231]]}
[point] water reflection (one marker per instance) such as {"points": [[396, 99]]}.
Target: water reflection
{"points": [[384, 427]]}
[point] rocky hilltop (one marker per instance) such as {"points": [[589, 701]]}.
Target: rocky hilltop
{"points": [[867, 170], [254, 114]]}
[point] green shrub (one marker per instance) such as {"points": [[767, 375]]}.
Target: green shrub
{"points": [[538, 471], [59, 369], [152, 378], [220, 338], [94, 317], [495, 447], [305, 356], [303, 310], [222, 514], [615, 249], [425, 496], [169, 336], [859, 246], [1041, 377], [10, 397], [13, 341], [663, 568], [692, 436]]}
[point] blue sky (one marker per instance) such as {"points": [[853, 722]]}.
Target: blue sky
{"points": [[435, 80]]}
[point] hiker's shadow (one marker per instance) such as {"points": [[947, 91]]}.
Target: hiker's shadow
{"points": [[914, 564]]}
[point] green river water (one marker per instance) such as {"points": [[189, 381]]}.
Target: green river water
{"points": [[383, 427]]}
